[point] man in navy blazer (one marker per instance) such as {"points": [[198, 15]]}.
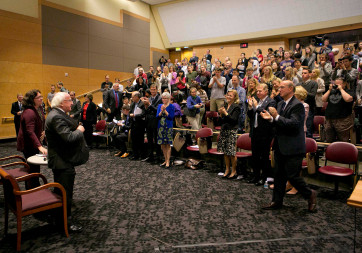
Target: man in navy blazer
{"points": [[289, 147], [113, 103], [260, 134], [16, 109]]}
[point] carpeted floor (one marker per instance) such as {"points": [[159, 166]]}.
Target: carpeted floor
{"points": [[128, 206]]}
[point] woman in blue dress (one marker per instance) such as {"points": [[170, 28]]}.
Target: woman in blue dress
{"points": [[165, 115]]}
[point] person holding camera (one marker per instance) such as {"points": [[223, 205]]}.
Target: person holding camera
{"points": [[339, 114], [344, 69]]}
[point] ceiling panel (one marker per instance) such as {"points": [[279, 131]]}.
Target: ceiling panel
{"points": [[153, 2]]}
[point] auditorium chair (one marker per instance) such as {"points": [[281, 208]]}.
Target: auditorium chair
{"points": [[311, 147], [101, 131], [344, 153], [187, 125], [214, 151], [24, 203], [324, 107], [243, 142], [317, 122], [22, 168], [210, 116], [202, 133]]}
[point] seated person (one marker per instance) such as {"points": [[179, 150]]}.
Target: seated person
{"points": [[178, 112], [179, 96], [122, 136]]}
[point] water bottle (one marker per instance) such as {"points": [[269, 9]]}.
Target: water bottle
{"points": [[266, 184]]}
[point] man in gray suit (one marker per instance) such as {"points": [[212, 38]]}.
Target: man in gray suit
{"points": [[289, 147], [113, 102], [66, 148], [76, 107]]}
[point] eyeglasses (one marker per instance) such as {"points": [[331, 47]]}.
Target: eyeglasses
{"points": [[68, 100], [40, 97]]}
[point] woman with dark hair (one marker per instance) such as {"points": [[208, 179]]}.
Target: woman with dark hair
{"points": [[31, 131], [181, 82], [89, 118], [309, 58], [297, 49], [260, 56], [276, 70], [141, 85]]}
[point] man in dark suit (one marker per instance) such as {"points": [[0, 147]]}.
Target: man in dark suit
{"points": [[16, 109], [194, 60], [311, 87], [122, 136], [138, 125], [208, 55], [66, 148], [151, 105], [113, 102], [76, 107], [260, 134], [289, 147]]}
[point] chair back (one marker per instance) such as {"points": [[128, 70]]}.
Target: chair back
{"points": [[244, 142], [211, 115], [311, 145], [203, 133], [101, 126], [318, 120], [207, 106], [342, 152], [10, 185], [323, 110]]}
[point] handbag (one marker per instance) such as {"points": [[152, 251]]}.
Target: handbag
{"points": [[311, 163], [190, 113], [178, 142], [202, 143], [194, 164]]}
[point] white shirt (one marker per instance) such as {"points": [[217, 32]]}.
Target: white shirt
{"points": [[135, 72]]}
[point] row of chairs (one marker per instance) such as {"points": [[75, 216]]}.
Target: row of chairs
{"points": [[337, 152]]}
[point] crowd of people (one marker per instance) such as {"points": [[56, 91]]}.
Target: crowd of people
{"points": [[270, 96]]}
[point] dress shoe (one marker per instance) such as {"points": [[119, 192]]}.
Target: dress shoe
{"points": [[119, 153], [312, 202], [260, 182], [147, 159], [253, 180], [75, 228], [233, 177], [163, 165], [226, 176], [125, 155], [272, 206]]}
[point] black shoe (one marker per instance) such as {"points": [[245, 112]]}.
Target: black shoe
{"points": [[225, 177], [233, 177], [134, 158], [260, 182], [253, 180], [75, 228], [148, 159], [163, 164]]}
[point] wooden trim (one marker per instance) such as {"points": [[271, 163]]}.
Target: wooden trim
{"points": [[81, 13], [151, 58], [135, 15], [14, 15], [159, 50]]}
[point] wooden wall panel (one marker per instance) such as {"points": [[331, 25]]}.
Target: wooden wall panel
{"points": [[175, 55], [19, 51], [53, 74], [12, 89], [15, 29], [12, 72]]}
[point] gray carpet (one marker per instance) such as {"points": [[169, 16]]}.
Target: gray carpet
{"points": [[130, 206]]}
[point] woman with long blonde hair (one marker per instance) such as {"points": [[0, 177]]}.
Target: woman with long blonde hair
{"points": [[290, 76], [165, 79], [321, 88], [268, 78], [275, 92]]}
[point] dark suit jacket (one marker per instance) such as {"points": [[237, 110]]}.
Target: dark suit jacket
{"points": [[290, 136], [76, 109], [230, 122], [91, 113], [311, 88], [31, 127], [140, 118], [110, 101], [14, 110], [209, 57], [264, 126], [152, 110], [65, 142]]}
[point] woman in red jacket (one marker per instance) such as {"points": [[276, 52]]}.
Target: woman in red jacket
{"points": [[31, 132]]}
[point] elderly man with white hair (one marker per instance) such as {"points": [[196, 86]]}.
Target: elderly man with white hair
{"points": [[66, 149], [113, 102]]}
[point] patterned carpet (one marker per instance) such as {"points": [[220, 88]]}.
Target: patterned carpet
{"points": [[128, 206]]}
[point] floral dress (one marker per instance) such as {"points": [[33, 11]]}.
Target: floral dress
{"points": [[164, 135]]}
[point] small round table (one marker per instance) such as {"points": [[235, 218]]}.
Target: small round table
{"points": [[38, 160]]}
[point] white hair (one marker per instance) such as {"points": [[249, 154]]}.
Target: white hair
{"points": [[58, 99], [114, 84], [140, 69], [166, 94], [136, 93]]}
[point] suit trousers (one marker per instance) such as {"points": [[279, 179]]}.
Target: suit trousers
{"points": [[309, 124], [66, 178], [34, 182], [152, 142], [17, 126], [288, 167], [260, 149], [116, 113], [137, 136], [88, 133], [121, 140]]}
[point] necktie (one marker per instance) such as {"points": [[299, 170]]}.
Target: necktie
{"points": [[256, 114], [116, 97], [283, 105], [20, 106]]}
